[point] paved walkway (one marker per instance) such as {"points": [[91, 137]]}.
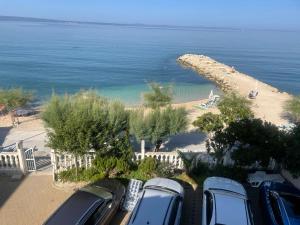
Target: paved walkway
{"points": [[29, 201]]}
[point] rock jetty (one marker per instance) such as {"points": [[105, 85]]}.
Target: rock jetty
{"points": [[269, 103]]}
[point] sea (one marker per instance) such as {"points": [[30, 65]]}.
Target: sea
{"points": [[119, 61]]}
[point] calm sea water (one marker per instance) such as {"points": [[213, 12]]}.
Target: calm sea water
{"points": [[119, 61]]}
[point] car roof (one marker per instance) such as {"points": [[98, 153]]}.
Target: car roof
{"points": [[165, 183], [72, 210], [225, 184], [152, 208], [230, 209]]}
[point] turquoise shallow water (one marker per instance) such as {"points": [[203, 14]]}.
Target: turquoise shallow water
{"points": [[119, 61]]}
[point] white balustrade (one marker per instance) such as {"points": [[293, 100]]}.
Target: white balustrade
{"points": [[13, 161]]}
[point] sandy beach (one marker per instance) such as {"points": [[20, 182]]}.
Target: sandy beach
{"points": [[268, 105]]}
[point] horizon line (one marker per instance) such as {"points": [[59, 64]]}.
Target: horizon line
{"points": [[37, 19]]}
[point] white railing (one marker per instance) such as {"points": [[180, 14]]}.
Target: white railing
{"points": [[65, 161], [13, 161], [164, 157]]}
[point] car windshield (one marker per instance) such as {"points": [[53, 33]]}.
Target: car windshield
{"points": [[292, 204]]}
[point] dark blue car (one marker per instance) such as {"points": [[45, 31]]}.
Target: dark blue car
{"points": [[281, 203]]}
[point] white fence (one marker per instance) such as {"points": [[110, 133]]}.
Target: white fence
{"points": [[64, 161], [13, 161], [165, 157]]}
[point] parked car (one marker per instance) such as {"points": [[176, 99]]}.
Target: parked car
{"points": [[160, 202], [281, 203], [95, 204], [225, 202]]}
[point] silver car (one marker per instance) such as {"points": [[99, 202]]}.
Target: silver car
{"points": [[225, 202], [160, 202]]}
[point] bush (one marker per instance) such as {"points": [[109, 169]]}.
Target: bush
{"points": [[111, 166], [149, 168], [199, 169], [88, 175], [234, 173]]}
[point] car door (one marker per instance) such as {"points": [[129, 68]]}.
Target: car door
{"points": [[207, 210], [276, 214], [175, 214]]}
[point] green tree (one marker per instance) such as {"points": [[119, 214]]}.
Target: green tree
{"points": [[158, 96], [79, 123], [250, 141], [293, 108], [209, 123], [292, 156], [158, 124], [15, 97], [234, 107]]}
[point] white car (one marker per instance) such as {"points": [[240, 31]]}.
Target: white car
{"points": [[225, 202], [160, 203]]}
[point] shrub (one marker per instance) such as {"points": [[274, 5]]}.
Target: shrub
{"points": [[158, 96], [111, 166], [88, 175]]}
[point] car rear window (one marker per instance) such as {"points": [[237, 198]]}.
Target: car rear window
{"points": [[74, 208], [292, 204]]}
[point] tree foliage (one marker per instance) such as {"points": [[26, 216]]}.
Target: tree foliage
{"points": [[232, 108], [85, 121], [158, 124], [291, 161], [15, 97], [209, 122], [254, 141], [293, 107], [158, 96]]}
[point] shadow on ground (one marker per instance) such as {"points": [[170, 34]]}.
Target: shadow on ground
{"points": [[191, 140], [8, 187], [184, 140], [3, 133], [192, 204], [253, 196]]}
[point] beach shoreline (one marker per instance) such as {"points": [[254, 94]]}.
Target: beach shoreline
{"points": [[269, 104]]}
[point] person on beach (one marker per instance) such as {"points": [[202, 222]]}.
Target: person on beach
{"points": [[14, 118]]}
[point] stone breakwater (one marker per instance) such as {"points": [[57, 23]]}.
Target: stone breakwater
{"points": [[268, 105]]}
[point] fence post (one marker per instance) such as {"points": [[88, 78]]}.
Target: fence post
{"points": [[22, 157], [143, 149], [53, 162]]}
